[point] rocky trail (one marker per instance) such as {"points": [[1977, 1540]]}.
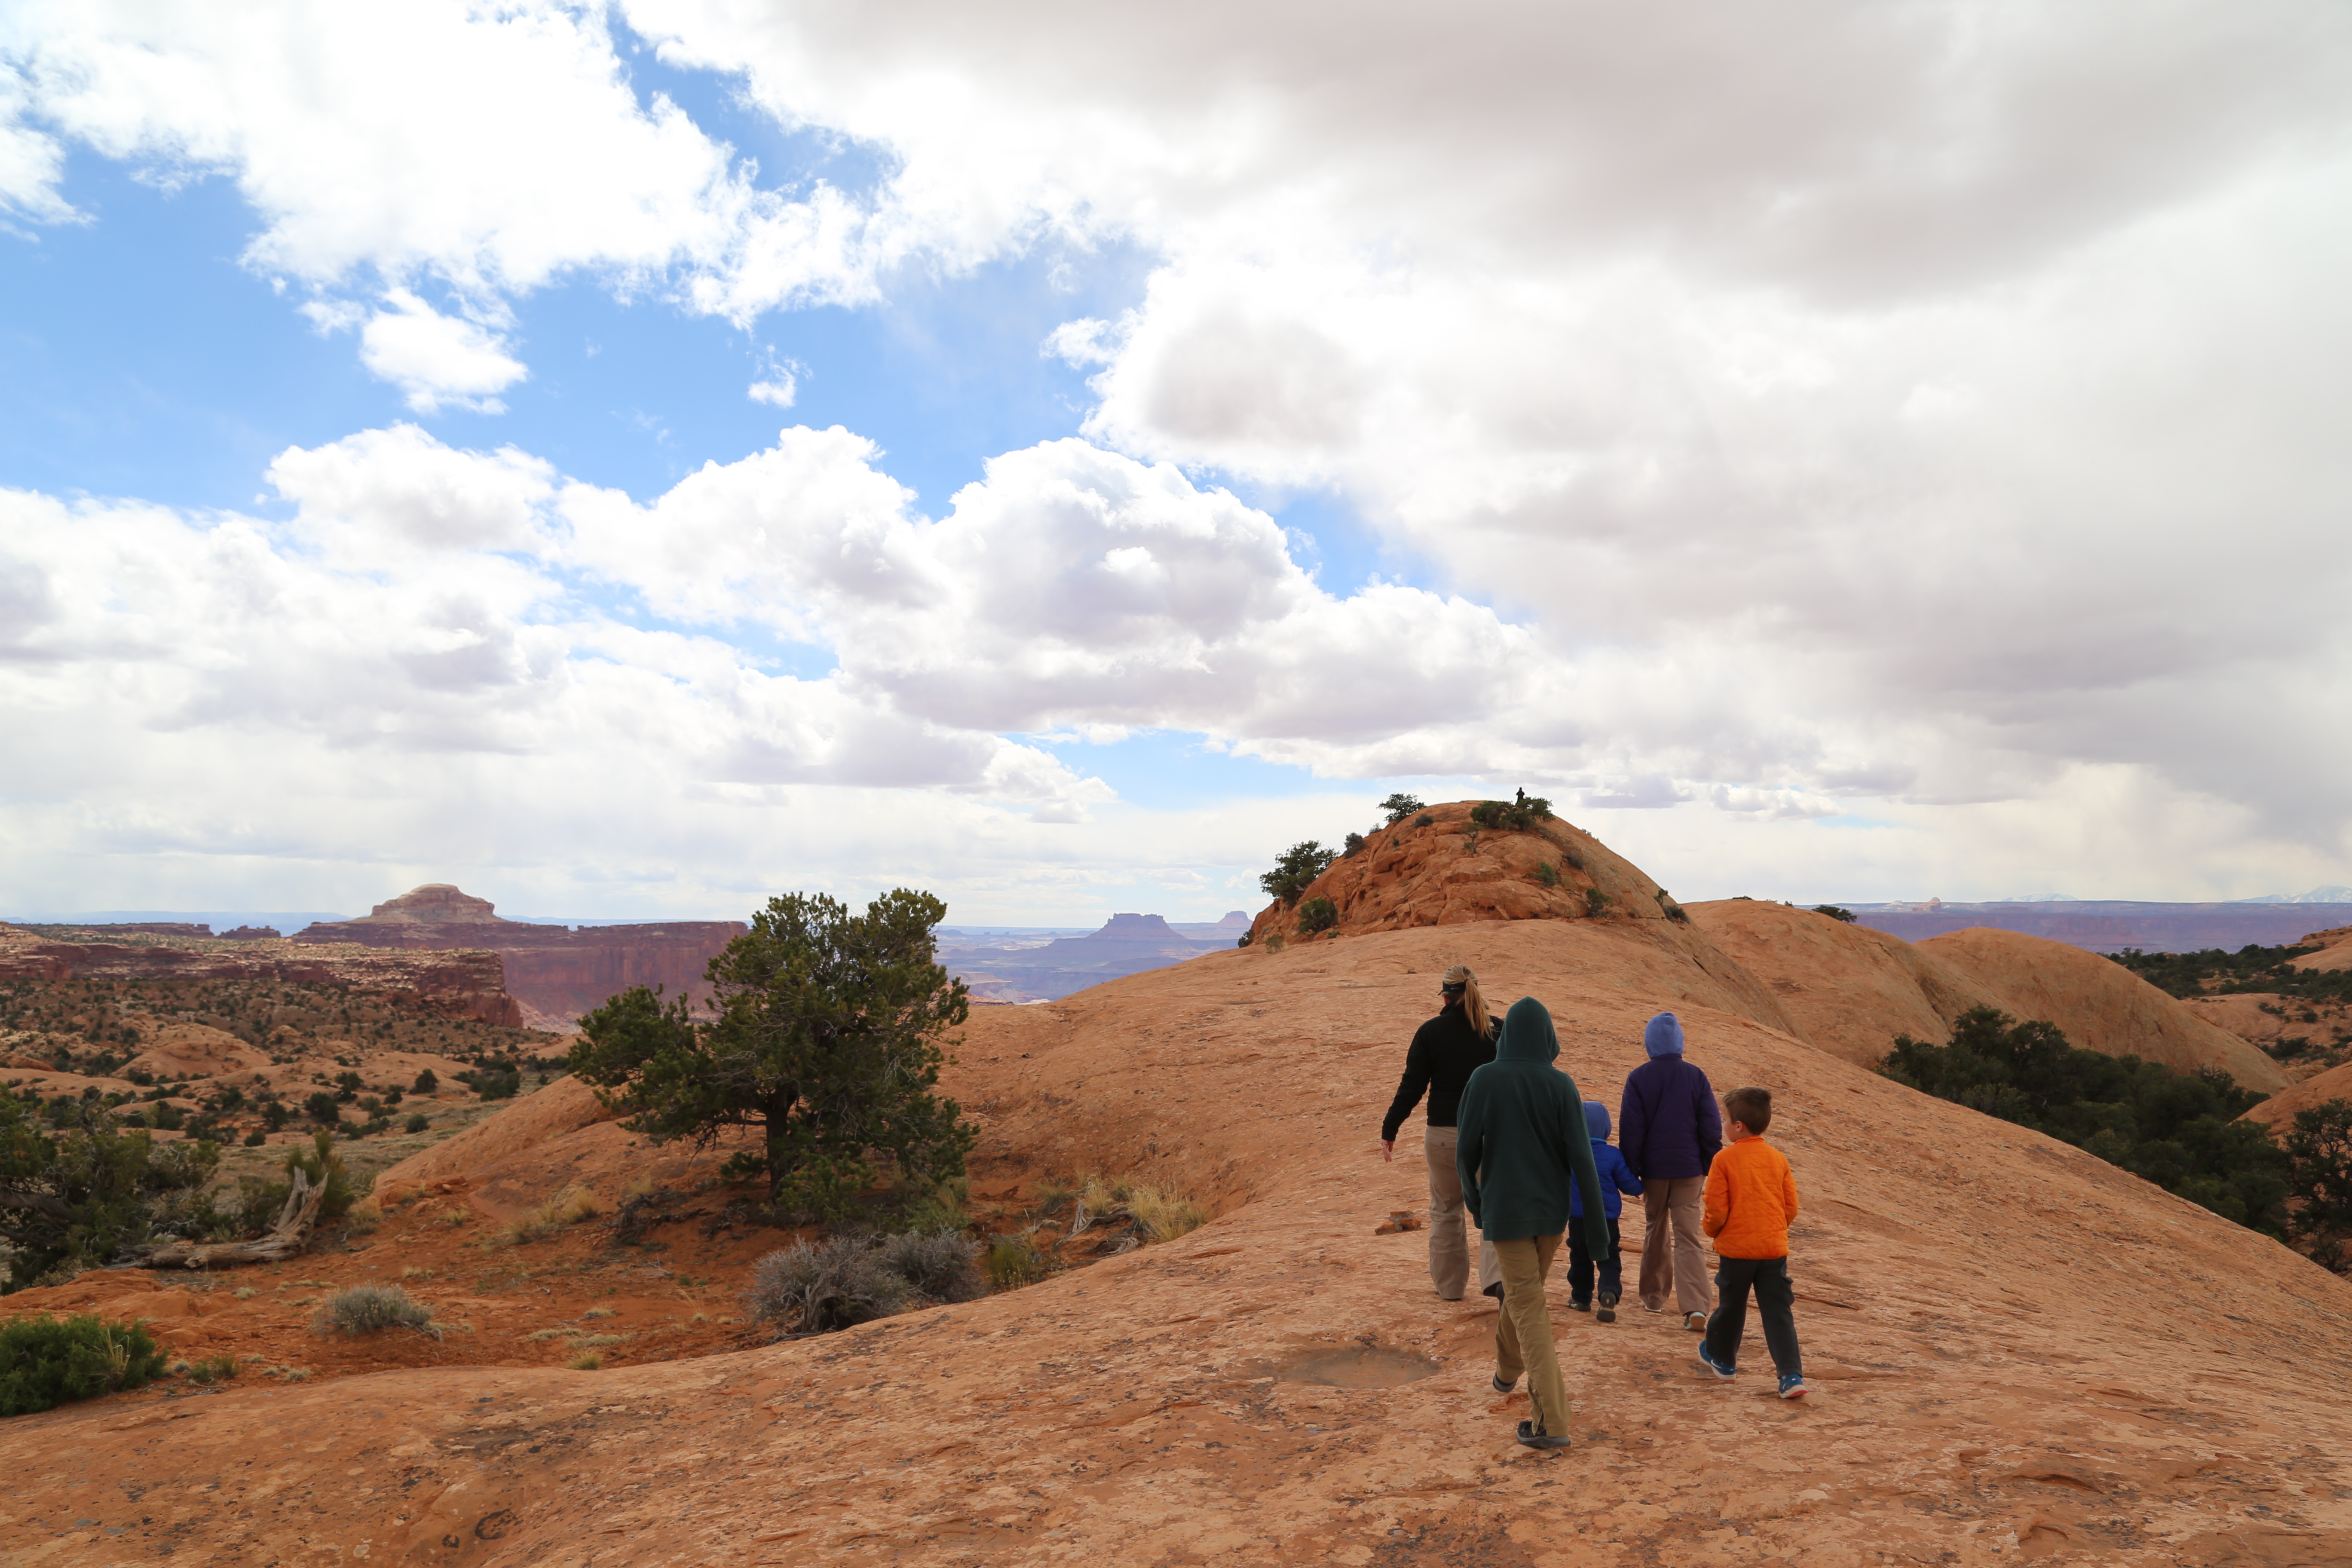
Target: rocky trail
{"points": [[2019, 1352]]}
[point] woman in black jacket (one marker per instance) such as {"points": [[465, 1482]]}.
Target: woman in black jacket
{"points": [[1444, 1052]]}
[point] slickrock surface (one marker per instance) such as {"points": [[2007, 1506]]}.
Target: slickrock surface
{"points": [[1411, 875], [1847, 988], [2278, 1111], [2019, 1351], [2335, 950], [2102, 1006]]}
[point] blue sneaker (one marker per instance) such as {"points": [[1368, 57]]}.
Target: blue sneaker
{"points": [[1713, 1365], [1792, 1385]]}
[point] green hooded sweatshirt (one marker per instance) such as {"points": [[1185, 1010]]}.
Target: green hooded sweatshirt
{"points": [[1523, 1137]]}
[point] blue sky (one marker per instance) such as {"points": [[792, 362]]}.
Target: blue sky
{"points": [[387, 500]]}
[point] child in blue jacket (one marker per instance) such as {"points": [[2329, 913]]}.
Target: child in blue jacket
{"points": [[1616, 1177]]}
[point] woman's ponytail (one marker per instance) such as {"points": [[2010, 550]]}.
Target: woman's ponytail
{"points": [[1473, 1003]]}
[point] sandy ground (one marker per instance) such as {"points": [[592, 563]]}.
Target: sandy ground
{"points": [[2019, 1353]]}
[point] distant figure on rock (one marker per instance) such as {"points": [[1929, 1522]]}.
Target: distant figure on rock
{"points": [[1751, 1197], [1669, 1130], [1444, 1054], [1616, 1178], [1523, 1140]]}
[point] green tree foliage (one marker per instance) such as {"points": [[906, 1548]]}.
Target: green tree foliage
{"points": [[1401, 806], [2177, 1130], [1300, 865], [84, 1193], [2321, 1149], [1316, 914], [1835, 912], [1512, 816], [826, 1038], [2252, 968], [45, 1361]]}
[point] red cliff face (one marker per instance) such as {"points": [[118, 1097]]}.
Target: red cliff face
{"points": [[465, 983], [555, 972]]}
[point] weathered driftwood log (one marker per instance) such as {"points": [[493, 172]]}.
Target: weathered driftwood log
{"points": [[285, 1239]]}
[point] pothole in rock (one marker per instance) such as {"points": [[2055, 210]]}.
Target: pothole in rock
{"points": [[1352, 1366]]}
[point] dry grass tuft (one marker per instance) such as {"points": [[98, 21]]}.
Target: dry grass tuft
{"points": [[568, 1208], [365, 1309], [586, 1360]]}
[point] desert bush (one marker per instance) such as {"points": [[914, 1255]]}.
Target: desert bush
{"points": [[366, 1309], [2319, 1149], [2252, 968], [45, 1361], [211, 1369], [1835, 912], [1275, 942], [1354, 846], [78, 1197], [1596, 902], [1424, 820], [2180, 1131], [1010, 1262], [1298, 865], [828, 1041], [1151, 1213], [1547, 875], [426, 1083], [1400, 806], [1512, 816], [568, 1208], [260, 1203], [323, 1108], [812, 1288], [256, 1139], [1316, 914], [939, 1266], [586, 1360], [418, 1124]]}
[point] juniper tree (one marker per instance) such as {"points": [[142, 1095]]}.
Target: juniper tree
{"points": [[823, 1034]]}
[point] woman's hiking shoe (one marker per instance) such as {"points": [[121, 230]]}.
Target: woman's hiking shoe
{"points": [[1792, 1385], [1608, 1313], [1531, 1438], [1576, 1306], [1717, 1367], [1695, 1322], [1502, 1388]]}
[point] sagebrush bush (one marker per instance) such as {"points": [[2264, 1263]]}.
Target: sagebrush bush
{"points": [[45, 1361], [365, 1309], [1596, 902], [1318, 914], [937, 1266], [813, 1288]]}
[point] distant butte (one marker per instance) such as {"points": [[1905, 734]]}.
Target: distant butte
{"points": [[557, 973]]}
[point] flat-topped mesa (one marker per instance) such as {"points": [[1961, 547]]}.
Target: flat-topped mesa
{"points": [[1151, 928], [556, 971], [1441, 867]]}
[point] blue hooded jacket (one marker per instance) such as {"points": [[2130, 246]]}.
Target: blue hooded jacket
{"points": [[1616, 1176], [1668, 1126], [1523, 1139]]}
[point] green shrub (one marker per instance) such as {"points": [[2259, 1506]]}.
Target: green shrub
{"points": [[83, 1194], [2180, 1131], [1596, 902], [213, 1369], [1547, 875], [939, 1266], [256, 1139], [1299, 865], [1512, 816], [1836, 913], [323, 1108], [369, 1309], [1011, 1263], [45, 1361], [1424, 820], [1316, 914], [2252, 968], [2319, 1149], [426, 1083], [1400, 806], [1355, 846], [418, 1124]]}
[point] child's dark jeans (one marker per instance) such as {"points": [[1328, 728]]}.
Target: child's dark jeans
{"points": [[1776, 1300], [1579, 1263]]}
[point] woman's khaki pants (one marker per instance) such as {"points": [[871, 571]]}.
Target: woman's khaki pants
{"points": [[1449, 1242]]}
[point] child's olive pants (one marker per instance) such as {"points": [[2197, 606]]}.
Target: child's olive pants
{"points": [[1523, 1329]]}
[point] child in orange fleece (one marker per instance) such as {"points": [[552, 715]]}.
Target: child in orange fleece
{"points": [[1750, 1199]]}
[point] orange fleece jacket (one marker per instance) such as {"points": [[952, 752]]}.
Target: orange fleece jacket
{"points": [[1750, 1199]]}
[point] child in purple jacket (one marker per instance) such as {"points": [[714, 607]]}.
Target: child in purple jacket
{"points": [[1616, 1177]]}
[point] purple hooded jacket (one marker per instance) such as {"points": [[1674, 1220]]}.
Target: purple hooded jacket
{"points": [[1668, 1127]]}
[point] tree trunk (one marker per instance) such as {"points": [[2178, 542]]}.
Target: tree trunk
{"points": [[285, 1239]]}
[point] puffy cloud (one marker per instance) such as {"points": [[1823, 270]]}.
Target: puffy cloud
{"points": [[437, 359]]}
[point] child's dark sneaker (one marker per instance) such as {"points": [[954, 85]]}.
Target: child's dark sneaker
{"points": [[1608, 1313], [1530, 1438], [1576, 1306], [1792, 1385], [1714, 1366]]}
